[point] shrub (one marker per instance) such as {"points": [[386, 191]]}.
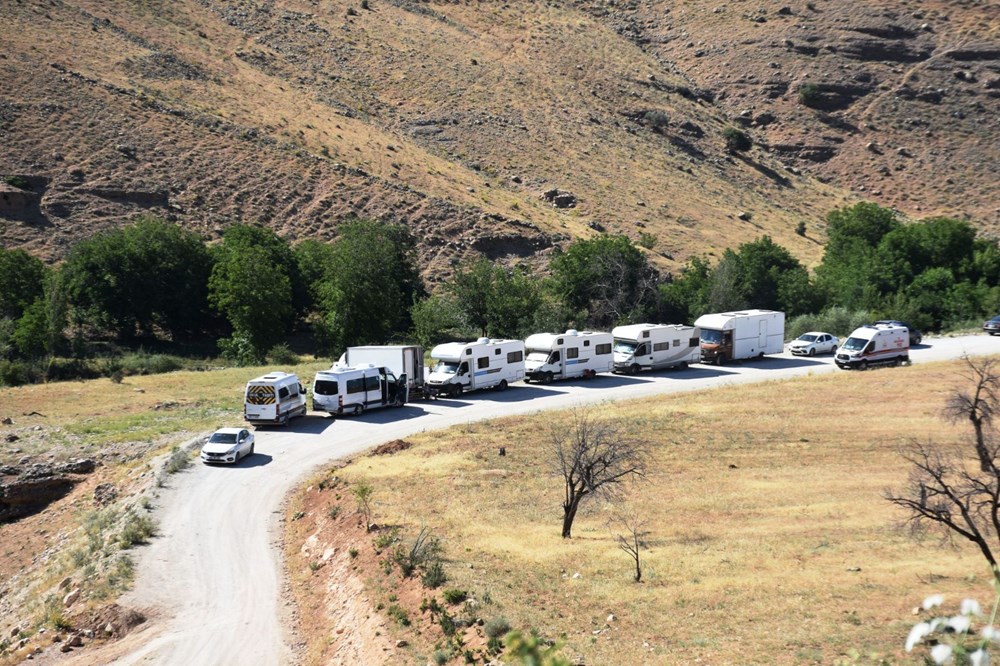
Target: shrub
{"points": [[497, 627], [455, 596], [386, 539], [353, 552], [54, 613], [434, 576], [333, 511], [737, 141], [137, 530], [810, 95], [441, 657], [20, 182], [837, 320], [240, 350], [398, 614], [281, 354], [144, 363], [647, 240], [177, 461], [447, 623], [16, 373], [657, 120], [800, 228]]}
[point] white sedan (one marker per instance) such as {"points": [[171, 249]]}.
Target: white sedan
{"points": [[814, 342], [227, 445]]}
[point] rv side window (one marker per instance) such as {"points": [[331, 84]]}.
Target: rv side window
{"points": [[661, 346], [515, 357], [572, 352], [694, 342], [356, 385], [497, 351], [325, 387], [645, 334], [372, 383], [483, 362], [586, 343], [600, 350], [283, 392], [677, 343]]}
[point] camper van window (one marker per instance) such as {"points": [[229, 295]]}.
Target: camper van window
{"points": [[694, 342], [517, 357], [325, 387], [356, 385], [283, 392], [661, 346], [586, 343], [446, 367], [483, 362], [854, 344], [372, 383], [572, 352], [624, 346], [642, 349], [711, 337], [677, 343], [464, 368], [555, 358], [601, 350]]}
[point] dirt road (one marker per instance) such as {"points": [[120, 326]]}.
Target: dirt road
{"points": [[211, 579]]}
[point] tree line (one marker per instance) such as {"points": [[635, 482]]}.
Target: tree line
{"points": [[154, 280]]}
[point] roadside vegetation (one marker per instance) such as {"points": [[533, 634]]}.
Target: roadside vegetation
{"points": [[152, 297], [760, 522]]}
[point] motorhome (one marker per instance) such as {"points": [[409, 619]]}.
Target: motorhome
{"points": [[654, 347], [273, 399], [352, 390], [878, 344], [566, 355], [733, 336], [405, 360], [469, 366]]}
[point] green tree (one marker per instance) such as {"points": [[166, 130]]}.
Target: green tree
{"points": [[146, 275], [737, 141], [607, 277], [21, 278], [370, 284], [437, 318], [496, 300], [853, 234]]}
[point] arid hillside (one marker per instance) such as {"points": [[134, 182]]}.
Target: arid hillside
{"points": [[491, 127]]}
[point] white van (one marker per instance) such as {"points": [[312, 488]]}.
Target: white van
{"points": [[879, 344], [345, 390], [274, 398], [655, 346], [468, 366], [566, 355]]}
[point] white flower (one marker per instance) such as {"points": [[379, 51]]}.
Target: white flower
{"points": [[991, 633], [959, 624], [970, 607], [932, 601], [979, 658], [917, 634], [941, 653]]}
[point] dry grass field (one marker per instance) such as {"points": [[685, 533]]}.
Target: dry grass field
{"points": [[769, 540]]}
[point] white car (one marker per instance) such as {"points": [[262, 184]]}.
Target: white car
{"points": [[814, 342], [227, 445]]}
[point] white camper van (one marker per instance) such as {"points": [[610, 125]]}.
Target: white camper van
{"points": [[879, 344], [566, 355], [654, 347], [730, 336], [468, 366], [346, 390], [273, 399], [403, 360]]}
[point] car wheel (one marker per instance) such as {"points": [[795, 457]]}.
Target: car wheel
{"points": [[284, 419], [992, 333], [458, 390], [720, 359], [683, 365], [863, 365], [547, 378], [812, 351], [250, 452], [502, 386], [359, 409], [633, 369]]}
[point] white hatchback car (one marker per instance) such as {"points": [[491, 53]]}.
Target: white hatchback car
{"points": [[227, 445], [814, 342]]}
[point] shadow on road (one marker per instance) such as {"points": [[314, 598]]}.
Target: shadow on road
{"points": [[255, 460], [313, 423], [776, 363]]}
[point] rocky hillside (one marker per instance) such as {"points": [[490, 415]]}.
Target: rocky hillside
{"points": [[504, 128]]}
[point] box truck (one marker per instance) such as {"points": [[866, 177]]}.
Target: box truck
{"points": [[352, 390], [732, 336], [469, 366], [405, 360], [879, 344], [566, 355], [273, 398], [654, 346]]}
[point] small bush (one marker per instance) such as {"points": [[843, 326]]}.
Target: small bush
{"points": [[810, 95], [800, 228], [281, 354], [386, 539], [19, 182], [177, 461], [137, 530], [737, 141], [239, 350], [497, 627], [17, 373], [657, 120], [455, 596], [447, 623], [143, 363], [54, 613], [333, 511], [353, 552], [836, 320], [441, 657], [647, 240], [494, 645], [398, 614], [434, 576]]}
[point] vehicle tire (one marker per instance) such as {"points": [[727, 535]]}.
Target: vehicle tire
{"points": [[251, 449], [633, 369], [683, 365], [992, 333], [863, 366], [458, 390], [896, 362], [502, 386], [359, 409], [547, 378], [812, 351], [284, 419], [720, 359]]}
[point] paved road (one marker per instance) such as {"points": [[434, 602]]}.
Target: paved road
{"points": [[213, 576]]}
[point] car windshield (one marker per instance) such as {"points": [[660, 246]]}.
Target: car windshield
{"points": [[711, 337], [854, 344], [538, 356], [223, 438], [446, 367], [808, 337], [624, 346]]}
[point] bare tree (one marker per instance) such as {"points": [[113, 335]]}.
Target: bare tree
{"points": [[595, 457], [945, 488], [978, 405], [629, 530]]}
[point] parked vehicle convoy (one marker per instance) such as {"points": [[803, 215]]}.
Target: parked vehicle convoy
{"points": [[470, 366], [732, 336], [273, 399], [227, 445], [566, 355], [403, 360], [812, 343], [347, 390], [655, 346], [992, 326], [874, 344], [916, 337]]}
